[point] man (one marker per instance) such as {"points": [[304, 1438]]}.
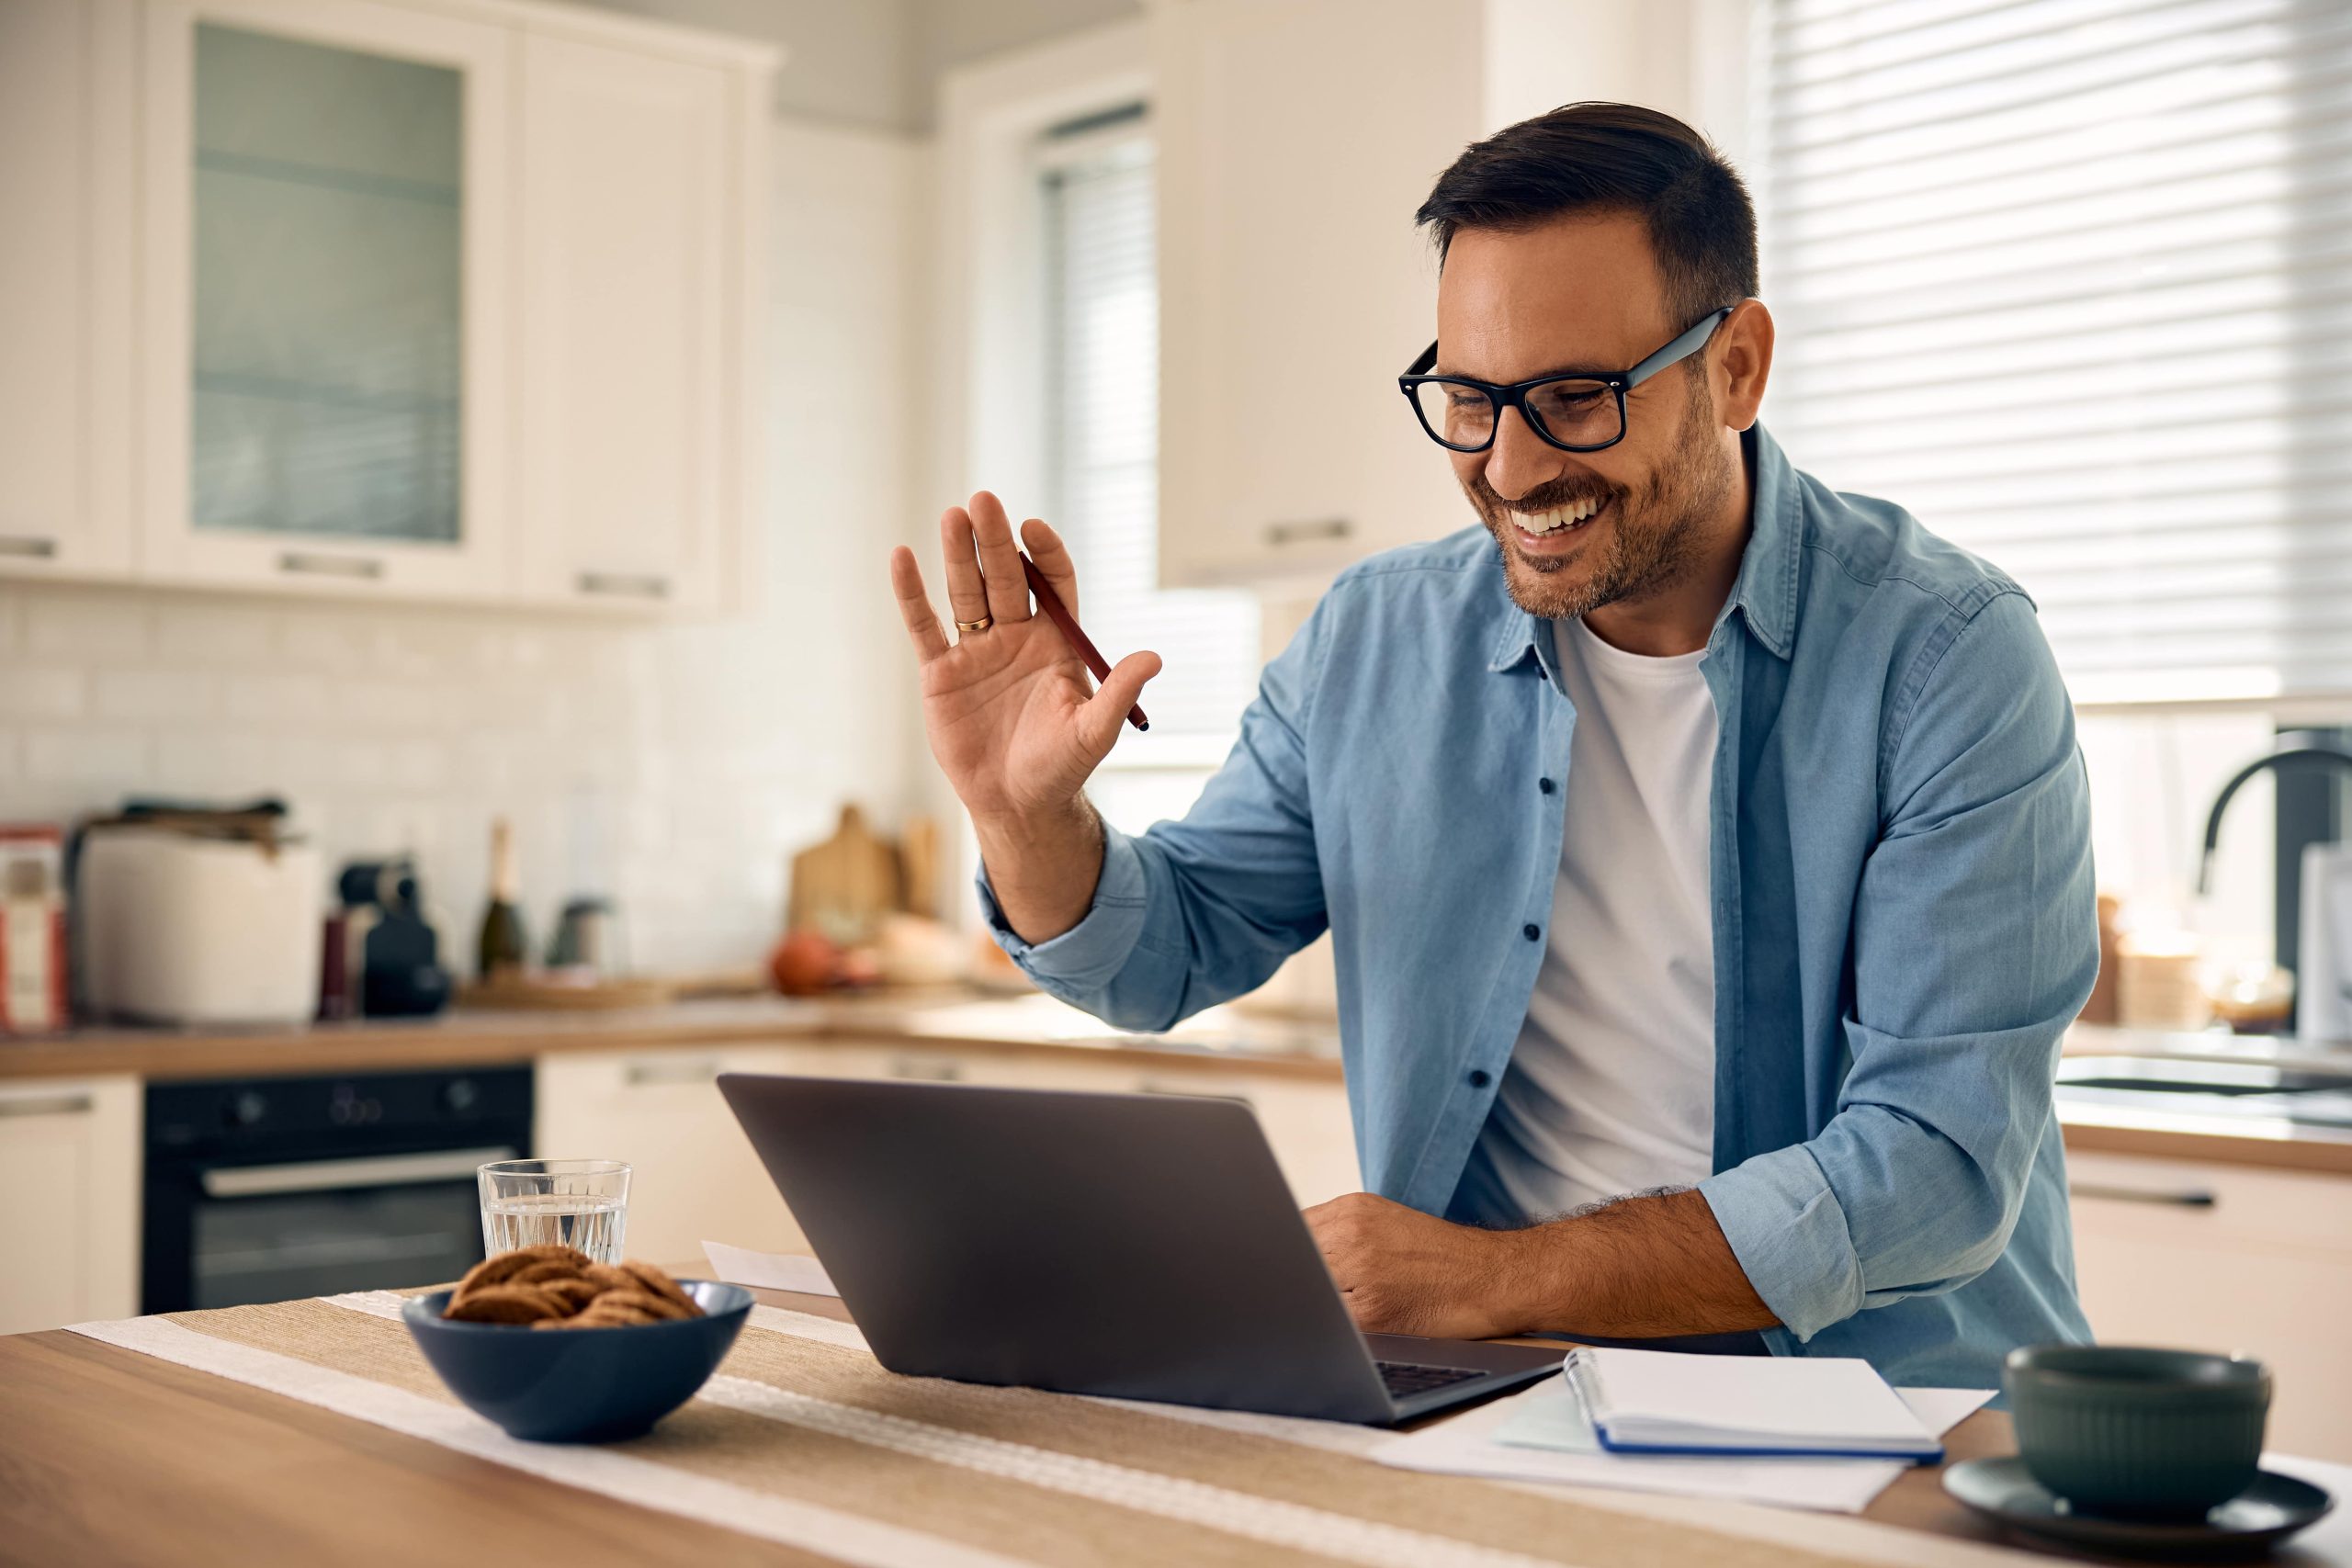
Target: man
{"points": [[1706, 854]]}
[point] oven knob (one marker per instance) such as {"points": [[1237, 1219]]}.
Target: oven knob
{"points": [[461, 1095], [244, 1109]]}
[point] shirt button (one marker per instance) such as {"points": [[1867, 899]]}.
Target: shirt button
{"points": [[1543, 784], [1479, 1078], [1531, 931]]}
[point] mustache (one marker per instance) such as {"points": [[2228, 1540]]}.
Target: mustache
{"points": [[1568, 488]]}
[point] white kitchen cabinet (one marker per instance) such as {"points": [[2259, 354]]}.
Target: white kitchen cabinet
{"points": [[329, 208], [446, 300], [1305, 1120], [1294, 287], [67, 186], [636, 315], [2209, 1257], [694, 1177], [70, 1162]]}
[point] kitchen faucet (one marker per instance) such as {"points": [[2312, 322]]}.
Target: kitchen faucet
{"points": [[2323, 965]]}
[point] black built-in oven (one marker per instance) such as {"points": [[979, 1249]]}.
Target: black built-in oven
{"points": [[261, 1190]]}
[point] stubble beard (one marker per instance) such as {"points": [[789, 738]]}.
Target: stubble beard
{"points": [[1655, 534]]}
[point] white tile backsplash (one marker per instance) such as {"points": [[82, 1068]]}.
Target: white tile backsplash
{"points": [[156, 696], [683, 762], [88, 627], [42, 693], [98, 756], [203, 635]]}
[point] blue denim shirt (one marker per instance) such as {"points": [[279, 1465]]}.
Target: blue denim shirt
{"points": [[1903, 906]]}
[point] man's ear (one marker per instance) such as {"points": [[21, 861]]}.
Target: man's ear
{"points": [[1745, 364]]}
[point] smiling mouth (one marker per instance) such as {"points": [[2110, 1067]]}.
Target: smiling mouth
{"points": [[1556, 523]]}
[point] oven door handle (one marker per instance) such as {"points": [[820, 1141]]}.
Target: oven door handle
{"points": [[337, 1175]]}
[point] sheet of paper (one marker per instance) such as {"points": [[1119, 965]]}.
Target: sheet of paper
{"points": [[1466, 1446], [768, 1271]]}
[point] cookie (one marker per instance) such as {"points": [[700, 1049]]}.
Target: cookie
{"points": [[498, 1271], [654, 1307], [543, 1273], [574, 1292], [604, 1277], [600, 1314], [504, 1303], [655, 1281], [604, 1314]]}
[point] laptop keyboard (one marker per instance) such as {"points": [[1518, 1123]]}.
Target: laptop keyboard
{"points": [[1405, 1379]]}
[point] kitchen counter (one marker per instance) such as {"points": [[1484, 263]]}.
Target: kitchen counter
{"points": [[946, 1017], [2174, 1128], [966, 1019]]}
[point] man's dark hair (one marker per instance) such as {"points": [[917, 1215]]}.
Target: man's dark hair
{"points": [[1611, 158]]}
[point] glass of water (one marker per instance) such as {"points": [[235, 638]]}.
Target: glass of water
{"points": [[574, 1203]]}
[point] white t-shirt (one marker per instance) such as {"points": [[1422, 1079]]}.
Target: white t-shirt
{"points": [[1612, 1087]]}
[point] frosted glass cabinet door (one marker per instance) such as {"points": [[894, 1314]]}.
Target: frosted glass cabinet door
{"points": [[327, 218]]}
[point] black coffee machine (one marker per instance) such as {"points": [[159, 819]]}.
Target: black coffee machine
{"points": [[391, 960]]}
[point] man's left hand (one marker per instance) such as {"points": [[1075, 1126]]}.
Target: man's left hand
{"points": [[1405, 1272]]}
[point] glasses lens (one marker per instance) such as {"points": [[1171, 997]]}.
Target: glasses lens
{"points": [[1582, 413], [1457, 415]]}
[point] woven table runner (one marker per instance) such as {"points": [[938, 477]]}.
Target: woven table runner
{"points": [[801, 1437]]}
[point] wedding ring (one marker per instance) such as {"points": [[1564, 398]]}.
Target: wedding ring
{"points": [[979, 625]]}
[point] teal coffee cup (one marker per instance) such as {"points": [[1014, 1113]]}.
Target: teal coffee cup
{"points": [[2143, 1433]]}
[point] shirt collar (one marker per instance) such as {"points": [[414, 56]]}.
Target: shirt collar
{"points": [[1765, 593]]}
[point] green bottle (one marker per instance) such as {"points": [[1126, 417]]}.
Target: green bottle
{"points": [[504, 945]]}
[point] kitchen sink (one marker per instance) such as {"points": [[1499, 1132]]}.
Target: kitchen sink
{"points": [[2232, 1090]]}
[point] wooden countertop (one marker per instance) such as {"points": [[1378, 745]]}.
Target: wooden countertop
{"points": [[961, 1019], [950, 1017], [108, 1455]]}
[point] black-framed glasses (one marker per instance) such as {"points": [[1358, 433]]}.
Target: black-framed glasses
{"points": [[1577, 411]]}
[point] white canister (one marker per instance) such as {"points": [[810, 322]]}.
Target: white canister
{"points": [[182, 929]]}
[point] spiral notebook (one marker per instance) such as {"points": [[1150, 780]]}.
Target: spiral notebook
{"points": [[1664, 1402]]}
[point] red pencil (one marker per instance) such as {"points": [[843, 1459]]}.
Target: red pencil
{"points": [[1051, 603]]}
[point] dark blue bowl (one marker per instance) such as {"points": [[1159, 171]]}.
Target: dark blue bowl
{"points": [[579, 1385]]}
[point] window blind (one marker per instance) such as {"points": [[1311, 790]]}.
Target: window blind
{"points": [[2071, 281], [1102, 423]]}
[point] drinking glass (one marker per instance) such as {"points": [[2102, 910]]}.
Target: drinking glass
{"points": [[572, 1202]]}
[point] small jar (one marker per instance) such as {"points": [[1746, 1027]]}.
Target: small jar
{"points": [[2159, 983]]}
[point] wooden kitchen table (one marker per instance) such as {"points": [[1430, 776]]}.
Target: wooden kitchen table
{"points": [[109, 1456]]}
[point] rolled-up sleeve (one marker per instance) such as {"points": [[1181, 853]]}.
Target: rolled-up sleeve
{"points": [[1975, 944], [1195, 912]]}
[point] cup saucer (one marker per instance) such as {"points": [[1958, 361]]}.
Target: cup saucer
{"points": [[2265, 1513]]}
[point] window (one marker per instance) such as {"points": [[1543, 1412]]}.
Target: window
{"points": [[1102, 385], [2072, 281]]}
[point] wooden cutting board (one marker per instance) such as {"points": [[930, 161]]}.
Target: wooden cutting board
{"points": [[844, 887]]}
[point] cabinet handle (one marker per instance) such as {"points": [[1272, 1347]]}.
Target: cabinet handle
{"points": [[330, 566], [928, 1069], [1303, 531], [49, 1105], [631, 585], [2178, 1198], [27, 547], [1147, 1086], [703, 1069], [343, 1175]]}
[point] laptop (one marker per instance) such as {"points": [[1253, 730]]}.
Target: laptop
{"points": [[1137, 1246]]}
